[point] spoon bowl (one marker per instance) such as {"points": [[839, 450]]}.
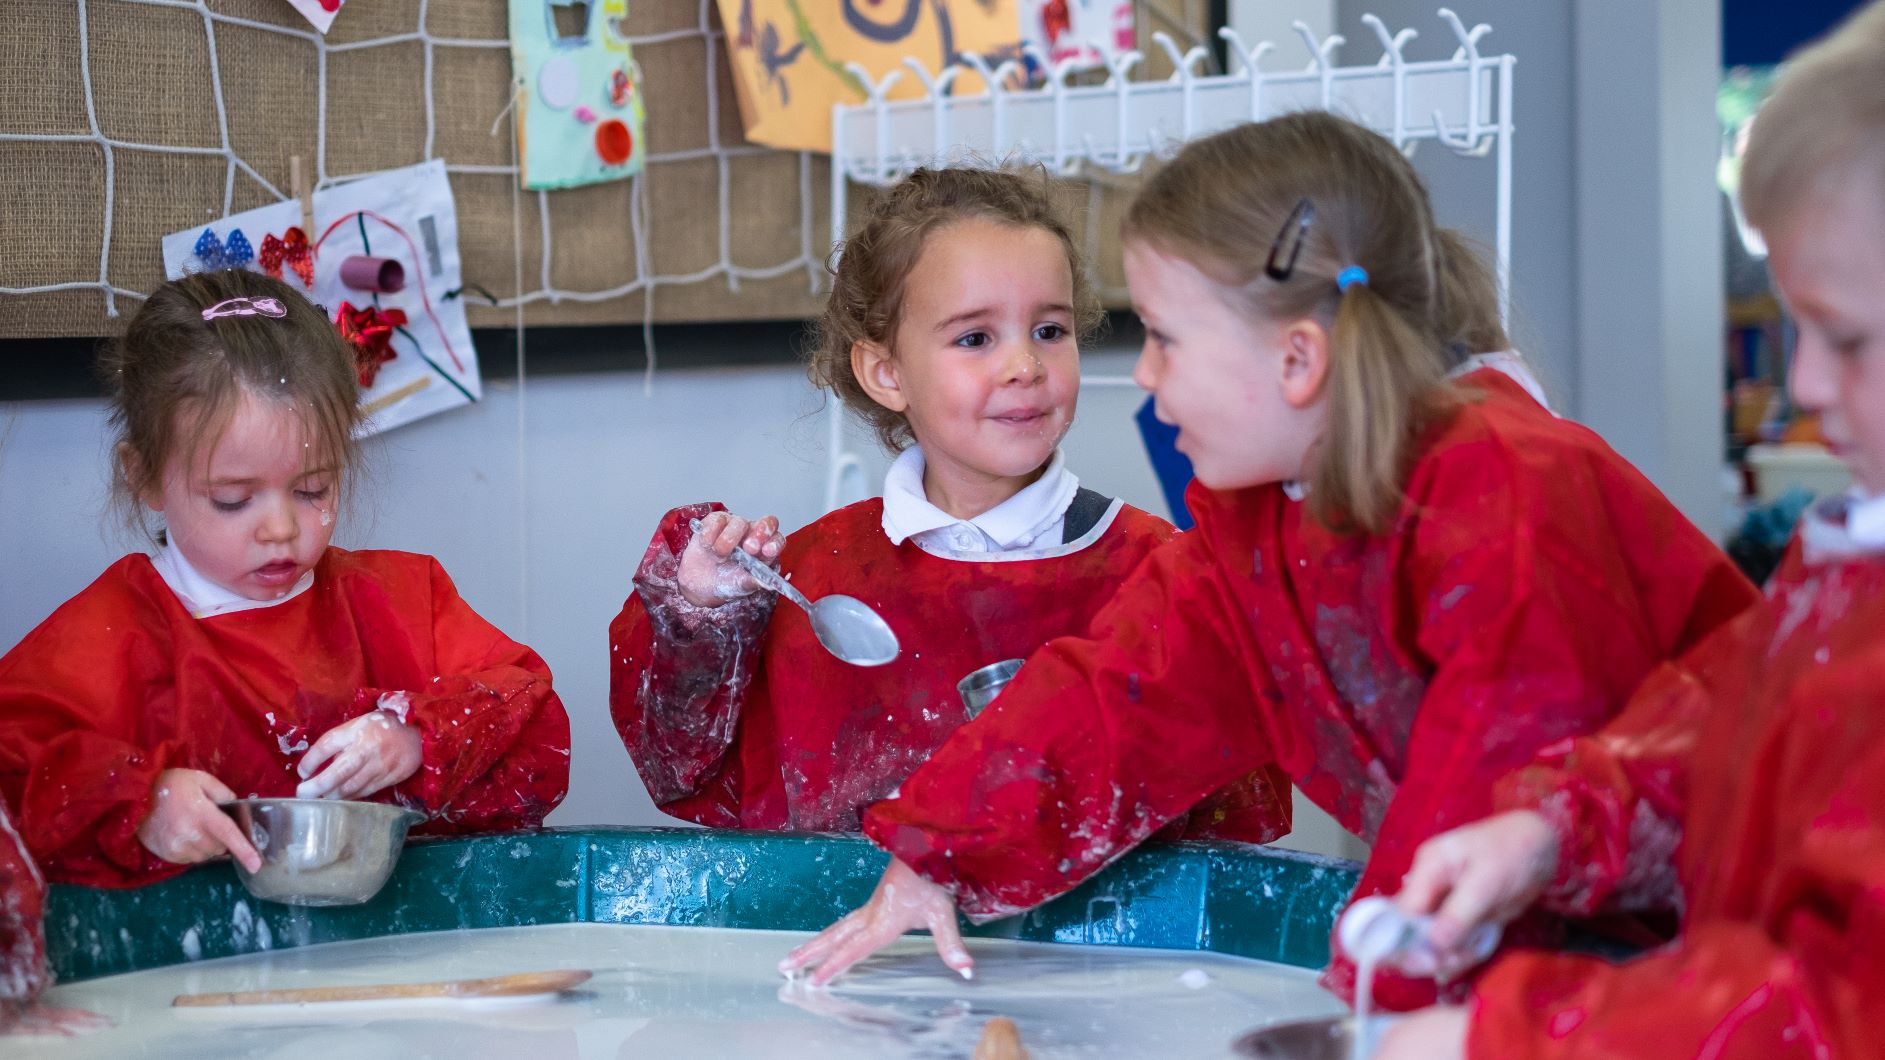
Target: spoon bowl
{"points": [[847, 627]]}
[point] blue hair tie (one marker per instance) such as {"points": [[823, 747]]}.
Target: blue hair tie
{"points": [[1352, 275]]}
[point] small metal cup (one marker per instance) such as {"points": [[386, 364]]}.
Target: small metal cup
{"points": [[980, 688]]}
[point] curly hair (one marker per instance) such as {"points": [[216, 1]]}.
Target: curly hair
{"points": [[868, 279]]}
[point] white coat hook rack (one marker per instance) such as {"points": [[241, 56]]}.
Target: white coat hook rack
{"points": [[1471, 142], [1391, 58], [1250, 61], [1463, 101], [1321, 59]]}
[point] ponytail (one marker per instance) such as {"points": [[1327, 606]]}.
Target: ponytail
{"points": [[1468, 317], [1377, 361]]}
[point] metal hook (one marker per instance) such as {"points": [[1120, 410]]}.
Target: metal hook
{"points": [[1320, 57], [1391, 58], [1055, 75], [1474, 142], [1249, 61], [875, 92], [938, 89]]}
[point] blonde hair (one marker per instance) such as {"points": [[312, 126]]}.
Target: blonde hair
{"points": [[1224, 202], [1826, 114], [175, 378], [866, 298]]}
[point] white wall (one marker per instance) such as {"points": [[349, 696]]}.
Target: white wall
{"points": [[1616, 271], [544, 540]]}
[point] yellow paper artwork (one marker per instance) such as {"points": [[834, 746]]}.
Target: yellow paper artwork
{"points": [[789, 56]]}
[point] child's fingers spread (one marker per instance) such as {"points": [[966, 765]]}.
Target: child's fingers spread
{"points": [[371, 778], [854, 949], [812, 951], [330, 744], [328, 780], [942, 926]]}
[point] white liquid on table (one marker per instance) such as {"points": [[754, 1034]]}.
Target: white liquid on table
{"points": [[693, 992]]}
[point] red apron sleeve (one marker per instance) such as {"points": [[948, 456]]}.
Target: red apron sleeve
{"points": [[496, 737], [69, 766], [678, 681], [1617, 798], [1096, 744], [1533, 638], [1804, 977]]}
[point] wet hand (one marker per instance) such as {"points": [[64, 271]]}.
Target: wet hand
{"points": [[371, 752], [902, 902], [1489, 871], [709, 575], [187, 825], [1430, 1034]]}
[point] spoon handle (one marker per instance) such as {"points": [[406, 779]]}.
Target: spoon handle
{"points": [[763, 574]]}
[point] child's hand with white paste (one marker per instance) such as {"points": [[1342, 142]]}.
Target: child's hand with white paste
{"points": [[371, 752], [1487, 872], [902, 902], [187, 824], [709, 575]]}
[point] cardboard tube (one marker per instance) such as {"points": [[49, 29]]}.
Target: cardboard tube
{"points": [[363, 273]]}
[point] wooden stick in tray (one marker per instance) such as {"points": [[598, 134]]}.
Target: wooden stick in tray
{"points": [[522, 984], [1001, 1040]]}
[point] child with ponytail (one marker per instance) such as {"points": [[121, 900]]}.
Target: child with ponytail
{"points": [[1407, 575]]}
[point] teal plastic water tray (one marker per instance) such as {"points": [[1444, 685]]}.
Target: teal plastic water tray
{"points": [[1245, 901]]}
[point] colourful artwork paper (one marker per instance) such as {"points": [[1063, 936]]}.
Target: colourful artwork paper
{"points": [[579, 103], [789, 56]]}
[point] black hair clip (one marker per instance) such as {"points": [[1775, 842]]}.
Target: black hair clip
{"points": [[1279, 268]]}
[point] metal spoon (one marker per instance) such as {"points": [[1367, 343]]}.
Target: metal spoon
{"points": [[845, 625]]}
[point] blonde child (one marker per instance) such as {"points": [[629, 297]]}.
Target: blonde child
{"points": [[1746, 785], [953, 329], [246, 656], [1407, 576]]}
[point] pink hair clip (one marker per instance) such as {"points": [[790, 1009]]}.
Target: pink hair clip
{"points": [[246, 307]]}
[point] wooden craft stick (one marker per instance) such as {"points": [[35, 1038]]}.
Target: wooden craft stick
{"points": [[520, 985], [298, 184], [396, 396], [1001, 1040]]}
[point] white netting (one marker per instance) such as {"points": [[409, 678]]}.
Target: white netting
{"points": [[643, 278]]}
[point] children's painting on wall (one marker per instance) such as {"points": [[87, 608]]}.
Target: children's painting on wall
{"points": [[579, 101], [789, 56], [382, 259], [1088, 33]]}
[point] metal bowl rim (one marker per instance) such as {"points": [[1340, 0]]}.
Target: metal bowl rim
{"points": [[412, 817]]}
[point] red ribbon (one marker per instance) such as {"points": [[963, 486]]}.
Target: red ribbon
{"points": [[369, 330], [291, 249]]}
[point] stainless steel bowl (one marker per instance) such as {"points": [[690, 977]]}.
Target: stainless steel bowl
{"points": [[980, 688], [321, 851], [1329, 1038]]}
